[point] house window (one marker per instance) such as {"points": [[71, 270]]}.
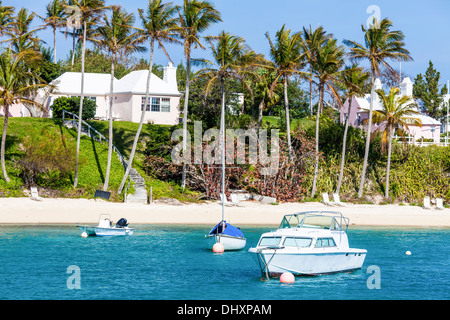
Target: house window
{"points": [[358, 119], [165, 104], [143, 103], [156, 105]]}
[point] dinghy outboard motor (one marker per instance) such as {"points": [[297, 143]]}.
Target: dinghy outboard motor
{"points": [[122, 223]]}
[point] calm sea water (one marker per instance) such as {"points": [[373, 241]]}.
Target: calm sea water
{"points": [[171, 262]]}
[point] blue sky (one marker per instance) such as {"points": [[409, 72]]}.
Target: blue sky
{"points": [[425, 24]]}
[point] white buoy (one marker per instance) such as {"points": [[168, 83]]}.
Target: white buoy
{"points": [[84, 234], [287, 277], [408, 253], [218, 247]]}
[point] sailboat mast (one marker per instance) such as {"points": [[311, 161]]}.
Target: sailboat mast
{"points": [[222, 125]]}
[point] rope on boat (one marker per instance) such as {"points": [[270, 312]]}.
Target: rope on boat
{"points": [[265, 269]]}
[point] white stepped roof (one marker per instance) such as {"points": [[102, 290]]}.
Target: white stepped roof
{"points": [[94, 83], [133, 83], [136, 83]]}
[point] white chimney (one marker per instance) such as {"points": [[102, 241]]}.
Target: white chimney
{"points": [[170, 76], [377, 86], [406, 87]]}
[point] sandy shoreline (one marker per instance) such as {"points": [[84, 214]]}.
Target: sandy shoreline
{"points": [[74, 211]]}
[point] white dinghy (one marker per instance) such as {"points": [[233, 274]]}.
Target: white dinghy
{"points": [[105, 228]]}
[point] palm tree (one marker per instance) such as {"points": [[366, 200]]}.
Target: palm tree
{"points": [[89, 14], [158, 25], [21, 35], [380, 44], [54, 18], [288, 59], [326, 67], [353, 79], [263, 90], [6, 13], [195, 17], [116, 36], [396, 114], [312, 40], [16, 81]]}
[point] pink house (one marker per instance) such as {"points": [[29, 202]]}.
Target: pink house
{"points": [[360, 111]]}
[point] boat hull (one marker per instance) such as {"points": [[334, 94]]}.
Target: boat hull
{"points": [[274, 262], [230, 243], [105, 232]]}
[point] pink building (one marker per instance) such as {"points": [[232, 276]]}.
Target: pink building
{"points": [[360, 111]]}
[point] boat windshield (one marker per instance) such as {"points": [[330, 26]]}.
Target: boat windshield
{"points": [[316, 220]]}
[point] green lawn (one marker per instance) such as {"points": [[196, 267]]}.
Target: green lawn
{"points": [[273, 121], [93, 159]]}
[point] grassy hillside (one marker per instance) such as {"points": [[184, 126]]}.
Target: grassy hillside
{"points": [[93, 159]]}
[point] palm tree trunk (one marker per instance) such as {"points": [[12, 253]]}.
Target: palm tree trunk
{"points": [[288, 123], [344, 146], [2, 149], [261, 108], [80, 113], [311, 91], [386, 191], [316, 164], [185, 112], [73, 47], [141, 122], [110, 144], [54, 45], [369, 128]]}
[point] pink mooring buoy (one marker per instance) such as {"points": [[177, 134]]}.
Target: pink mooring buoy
{"points": [[218, 247], [287, 277]]}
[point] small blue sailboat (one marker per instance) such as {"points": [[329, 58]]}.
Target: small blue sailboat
{"points": [[231, 237]]}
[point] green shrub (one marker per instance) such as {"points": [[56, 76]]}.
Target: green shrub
{"points": [[48, 158], [73, 105]]}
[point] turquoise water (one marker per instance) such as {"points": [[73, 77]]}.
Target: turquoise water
{"points": [[170, 262]]}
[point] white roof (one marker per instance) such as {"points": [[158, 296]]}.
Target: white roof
{"points": [[136, 83], [133, 83], [94, 83]]}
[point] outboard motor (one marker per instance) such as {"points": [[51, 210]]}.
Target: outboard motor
{"points": [[122, 223]]}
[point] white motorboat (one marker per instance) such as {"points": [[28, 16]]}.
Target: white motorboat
{"points": [[105, 228], [308, 243]]}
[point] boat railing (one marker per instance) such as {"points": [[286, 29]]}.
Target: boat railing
{"points": [[301, 217]]}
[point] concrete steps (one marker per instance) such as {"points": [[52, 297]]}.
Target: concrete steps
{"points": [[140, 194]]}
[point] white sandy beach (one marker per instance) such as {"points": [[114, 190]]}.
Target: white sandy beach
{"points": [[74, 211]]}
